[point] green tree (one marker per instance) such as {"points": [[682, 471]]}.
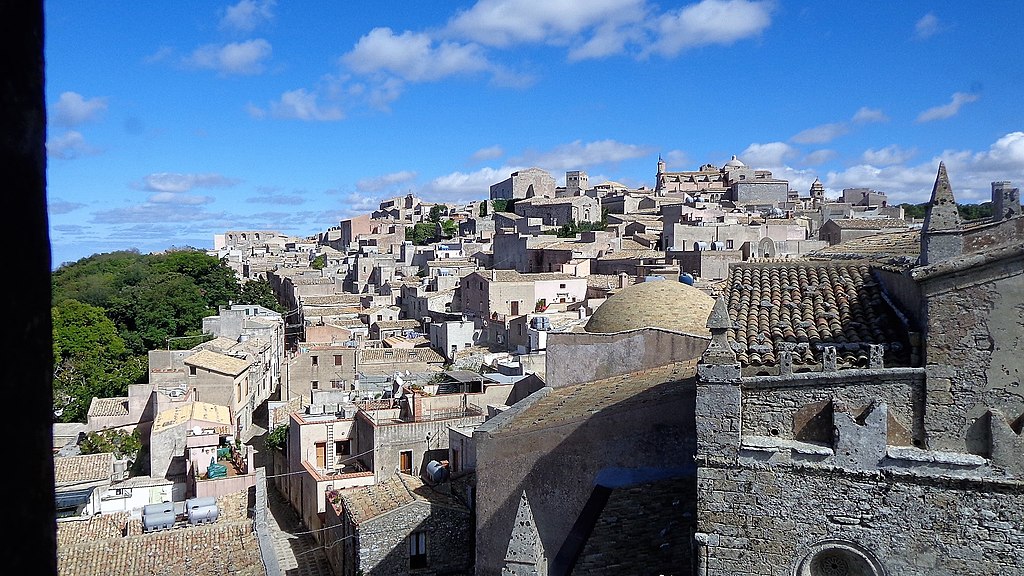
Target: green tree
{"points": [[259, 292], [160, 307], [319, 262], [121, 443], [436, 211], [483, 208], [421, 234], [277, 437], [502, 205], [90, 360], [449, 228]]}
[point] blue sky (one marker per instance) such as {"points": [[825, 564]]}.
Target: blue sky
{"points": [[169, 122]]}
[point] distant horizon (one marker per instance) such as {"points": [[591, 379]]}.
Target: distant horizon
{"points": [[256, 114]]}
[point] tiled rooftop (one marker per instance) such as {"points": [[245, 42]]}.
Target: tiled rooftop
{"points": [[83, 468], [114, 545], [397, 355], [899, 248], [870, 223], [367, 502], [108, 407], [578, 402], [808, 305], [182, 413], [221, 363]]}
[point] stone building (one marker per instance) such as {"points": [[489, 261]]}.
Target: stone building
{"points": [[399, 526], [528, 183], [851, 415]]}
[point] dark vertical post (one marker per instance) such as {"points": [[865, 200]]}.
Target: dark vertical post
{"points": [[26, 375]]}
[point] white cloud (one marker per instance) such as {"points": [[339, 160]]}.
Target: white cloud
{"points": [[710, 22], [926, 27], [174, 182], [300, 105], [769, 154], [891, 154], [72, 109], [867, 115], [971, 173], [68, 146], [236, 58], [247, 15], [464, 186], [385, 181], [947, 110], [578, 155], [819, 157], [676, 160], [179, 198], [502, 23], [413, 56], [489, 153], [821, 134]]}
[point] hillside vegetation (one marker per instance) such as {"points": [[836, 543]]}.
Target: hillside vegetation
{"points": [[109, 310]]}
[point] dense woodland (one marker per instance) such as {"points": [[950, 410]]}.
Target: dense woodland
{"points": [[109, 310]]}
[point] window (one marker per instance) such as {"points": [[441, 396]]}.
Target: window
{"points": [[315, 360], [338, 359], [342, 448], [418, 550], [314, 384], [192, 370], [562, 286]]}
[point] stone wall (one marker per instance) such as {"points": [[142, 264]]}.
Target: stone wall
{"points": [[576, 357], [770, 521], [780, 406], [973, 351], [558, 465], [384, 540]]}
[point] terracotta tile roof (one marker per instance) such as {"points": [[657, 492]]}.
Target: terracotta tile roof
{"points": [[219, 548], [367, 502], [108, 407], [398, 355], [83, 468], [899, 248], [331, 299], [870, 223], [221, 363], [581, 401], [201, 411], [807, 306]]}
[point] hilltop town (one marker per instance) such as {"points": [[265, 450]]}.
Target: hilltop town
{"points": [[716, 375]]}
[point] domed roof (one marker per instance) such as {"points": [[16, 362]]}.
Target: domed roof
{"points": [[735, 162], [666, 304]]}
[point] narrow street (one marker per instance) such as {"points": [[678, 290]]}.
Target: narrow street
{"points": [[298, 552]]}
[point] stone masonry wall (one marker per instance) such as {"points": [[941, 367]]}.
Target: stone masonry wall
{"points": [[765, 521], [770, 404], [384, 541], [974, 346]]}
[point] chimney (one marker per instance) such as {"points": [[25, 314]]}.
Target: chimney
{"points": [[622, 279]]}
